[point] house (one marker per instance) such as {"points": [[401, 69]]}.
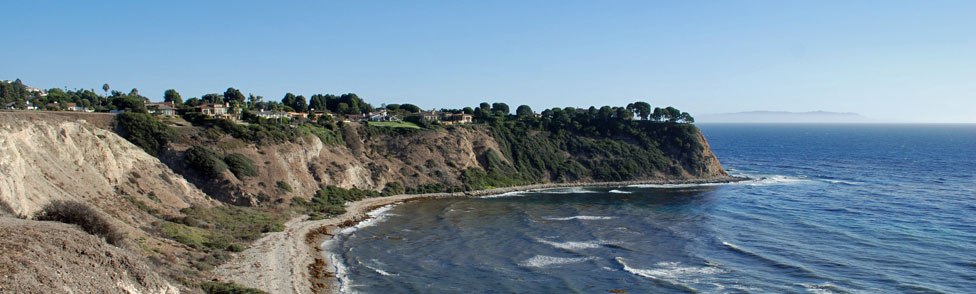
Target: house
{"points": [[164, 108], [212, 109], [354, 117], [381, 115], [430, 115], [270, 114], [298, 115], [76, 107], [458, 118], [10, 106]]}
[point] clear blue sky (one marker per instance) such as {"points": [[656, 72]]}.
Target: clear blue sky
{"points": [[888, 60]]}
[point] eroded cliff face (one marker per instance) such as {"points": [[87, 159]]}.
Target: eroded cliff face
{"points": [[371, 160], [43, 158], [46, 157]]}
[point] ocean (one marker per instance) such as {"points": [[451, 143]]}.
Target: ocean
{"points": [[829, 209]]}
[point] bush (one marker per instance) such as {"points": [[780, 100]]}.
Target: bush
{"points": [[283, 186], [143, 130], [228, 288], [204, 160], [77, 213], [240, 165]]}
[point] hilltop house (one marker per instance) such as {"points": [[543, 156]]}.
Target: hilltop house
{"points": [[213, 109], [270, 114], [354, 117], [76, 107], [164, 108], [446, 117]]}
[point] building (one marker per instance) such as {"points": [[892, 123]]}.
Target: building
{"points": [[76, 107], [298, 115], [213, 109], [354, 117], [458, 118], [270, 114], [163, 108]]}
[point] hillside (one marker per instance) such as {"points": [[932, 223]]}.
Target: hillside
{"points": [[181, 221]]}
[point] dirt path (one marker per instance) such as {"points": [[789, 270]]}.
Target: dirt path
{"points": [[284, 262]]}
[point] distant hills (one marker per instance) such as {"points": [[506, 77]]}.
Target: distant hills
{"points": [[783, 117]]}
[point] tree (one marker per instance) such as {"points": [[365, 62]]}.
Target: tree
{"points": [[300, 104], [410, 108], [500, 107], [289, 100], [105, 88], [524, 111], [467, 110], [212, 98], [687, 117], [232, 95], [485, 106], [172, 96], [193, 102], [318, 102], [642, 109]]}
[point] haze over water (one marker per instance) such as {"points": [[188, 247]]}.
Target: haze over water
{"points": [[832, 209]]}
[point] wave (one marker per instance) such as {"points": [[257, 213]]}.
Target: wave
{"points": [[767, 180], [540, 261], [825, 288], [375, 216], [571, 245], [507, 194], [579, 217], [378, 271], [620, 192], [673, 273], [842, 182], [772, 261], [569, 190]]}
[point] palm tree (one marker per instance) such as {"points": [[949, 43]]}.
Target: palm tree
{"points": [[105, 88]]}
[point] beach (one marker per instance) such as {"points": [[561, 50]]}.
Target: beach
{"points": [[291, 261]]}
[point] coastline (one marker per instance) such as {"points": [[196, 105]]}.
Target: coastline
{"points": [[291, 261]]}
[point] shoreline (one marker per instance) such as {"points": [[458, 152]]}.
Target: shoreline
{"points": [[291, 261]]}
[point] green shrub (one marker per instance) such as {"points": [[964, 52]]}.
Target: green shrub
{"points": [[283, 186], [235, 248], [240, 165], [205, 160], [77, 213], [143, 130], [228, 288]]}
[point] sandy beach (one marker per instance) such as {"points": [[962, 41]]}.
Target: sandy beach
{"points": [[291, 261]]}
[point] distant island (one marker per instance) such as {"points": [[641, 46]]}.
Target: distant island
{"points": [[783, 117]]}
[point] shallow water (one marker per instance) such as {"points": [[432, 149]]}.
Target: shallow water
{"points": [[832, 209]]}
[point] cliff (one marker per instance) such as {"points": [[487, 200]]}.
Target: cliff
{"points": [[453, 158], [174, 224]]}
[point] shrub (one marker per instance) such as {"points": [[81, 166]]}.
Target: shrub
{"points": [[143, 130], [77, 213], [204, 160], [283, 186], [240, 165], [228, 288]]}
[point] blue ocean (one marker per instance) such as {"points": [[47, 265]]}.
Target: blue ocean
{"points": [[829, 209]]}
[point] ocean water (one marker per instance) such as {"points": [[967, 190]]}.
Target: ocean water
{"points": [[830, 209]]}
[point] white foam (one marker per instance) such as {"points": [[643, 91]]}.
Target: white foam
{"points": [[620, 192], [670, 271], [508, 194], [546, 261], [579, 217], [851, 183], [825, 288], [375, 216], [575, 245], [570, 190], [752, 181], [377, 270]]}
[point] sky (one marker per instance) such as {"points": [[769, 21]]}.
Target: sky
{"points": [[897, 61]]}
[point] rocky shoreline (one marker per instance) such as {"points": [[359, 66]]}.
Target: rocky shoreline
{"points": [[291, 261]]}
